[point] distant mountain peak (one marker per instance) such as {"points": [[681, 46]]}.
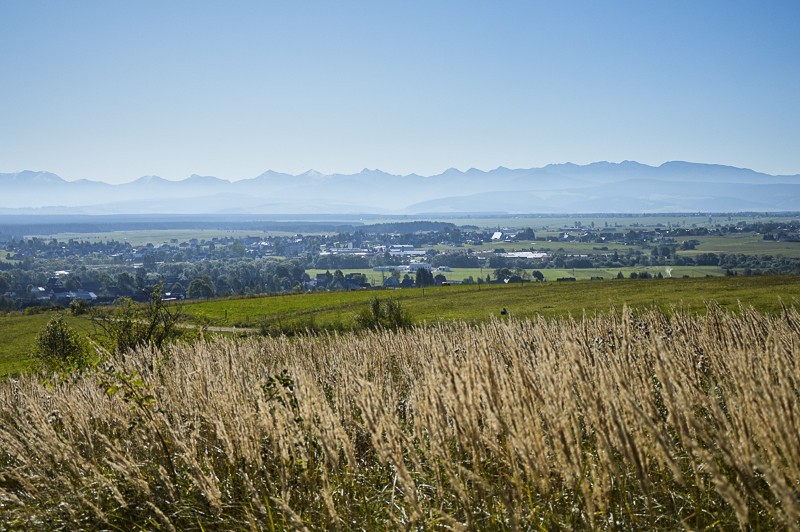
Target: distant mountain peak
{"points": [[374, 173], [452, 172], [269, 174], [148, 179], [195, 178], [38, 176]]}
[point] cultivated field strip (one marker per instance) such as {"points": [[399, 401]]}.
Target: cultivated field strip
{"points": [[625, 420]]}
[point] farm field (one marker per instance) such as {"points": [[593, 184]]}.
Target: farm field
{"points": [[474, 303], [159, 236], [551, 274], [539, 245], [619, 221], [4, 257], [745, 244], [543, 225], [733, 243], [337, 310]]}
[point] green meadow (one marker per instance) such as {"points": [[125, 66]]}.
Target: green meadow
{"points": [[551, 274], [160, 236], [479, 302], [292, 313], [744, 243], [18, 334]]}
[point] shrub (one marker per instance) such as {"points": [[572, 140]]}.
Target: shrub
{"points": [[59, 348], [78, 307], [387, 314], [131, 325]]}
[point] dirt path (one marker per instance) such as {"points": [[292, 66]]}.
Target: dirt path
{"points": [[211, 328]]}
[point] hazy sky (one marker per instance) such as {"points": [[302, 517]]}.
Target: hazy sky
{"points": [[116, 90]]}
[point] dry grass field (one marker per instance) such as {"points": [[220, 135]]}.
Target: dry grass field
{"points": [[627, 420]]}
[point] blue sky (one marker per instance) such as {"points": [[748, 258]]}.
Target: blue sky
{"points": [[116, 90]]}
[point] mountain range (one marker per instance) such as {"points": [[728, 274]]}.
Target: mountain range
{"points": [[628, 187]]}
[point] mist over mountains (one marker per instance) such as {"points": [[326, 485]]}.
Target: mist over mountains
{"points": [[628, 186]]}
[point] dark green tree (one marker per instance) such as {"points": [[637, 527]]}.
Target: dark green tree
{"points": [[200, 287], [526, 234], [502, 273], [149, 261], [73, 282], [126, 283], [338, 276], [424, 278]]}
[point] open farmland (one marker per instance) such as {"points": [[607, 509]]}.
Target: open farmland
{"points": [[294, 313], [376, 278], [620, 421], [745, 244], [477, 303], [161, 236]]}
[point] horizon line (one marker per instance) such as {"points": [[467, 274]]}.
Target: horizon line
{"points": [[312, 171]]}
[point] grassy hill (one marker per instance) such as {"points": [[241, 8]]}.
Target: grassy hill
{"points": [[474, 303], [598, 423], [18, 334], [336, 310]]}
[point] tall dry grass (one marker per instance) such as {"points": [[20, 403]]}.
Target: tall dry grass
{"points": [[621, 421]]}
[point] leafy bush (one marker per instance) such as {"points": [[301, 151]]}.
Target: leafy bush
{"points": [[78, 307], [59, 348], [131, 325], [387, 314]]}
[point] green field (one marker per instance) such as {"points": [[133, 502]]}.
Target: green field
{"points": [[4, 258], [511, 222], [337, 310], [459, 274], [18, 334], [476, 302], [539, 245], [745, 244], [162, 236], [543, 225]]}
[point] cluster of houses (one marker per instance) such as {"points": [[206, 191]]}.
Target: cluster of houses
{"points": [[55, 292]]}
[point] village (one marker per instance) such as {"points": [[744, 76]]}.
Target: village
{"points": [[36, 271]]}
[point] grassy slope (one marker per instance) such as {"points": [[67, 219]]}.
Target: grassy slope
{"points": [[606, 424], [17, 333], [472, 303]]}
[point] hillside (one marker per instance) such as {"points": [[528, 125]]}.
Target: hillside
{"points": [[336, 311], [630, 421]]}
